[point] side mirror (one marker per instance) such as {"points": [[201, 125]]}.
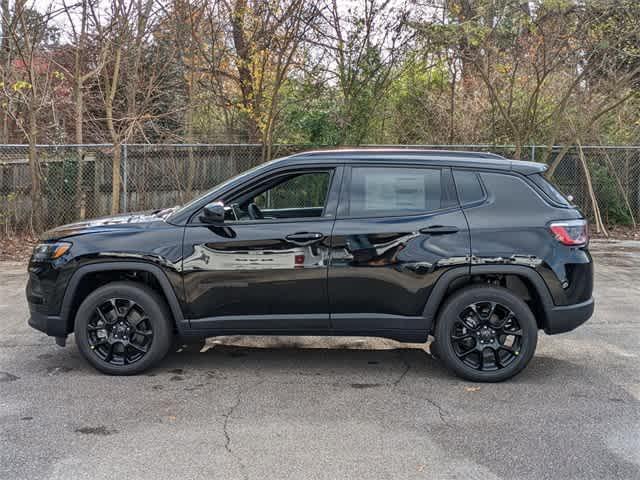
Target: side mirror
{"points": [[213, 214]]}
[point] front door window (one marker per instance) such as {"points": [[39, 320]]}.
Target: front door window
{"points": [[289, 196]]}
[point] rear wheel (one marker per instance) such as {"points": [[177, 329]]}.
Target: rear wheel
{"points": [[123, 328], [486, 334]]}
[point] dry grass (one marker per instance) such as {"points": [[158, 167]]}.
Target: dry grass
{"points": [[618, 232], [16, 248]]}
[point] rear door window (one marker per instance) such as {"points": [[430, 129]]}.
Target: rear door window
{"points": [[468, 186], [394, 191]]}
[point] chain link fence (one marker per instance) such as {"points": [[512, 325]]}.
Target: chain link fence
{"points": [[77, 180]]}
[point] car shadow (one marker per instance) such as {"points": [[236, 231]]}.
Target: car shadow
{"points": [[301, 359], [335, 360]]}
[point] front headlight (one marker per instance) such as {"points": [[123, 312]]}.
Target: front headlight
{"points": [[50, 251]]}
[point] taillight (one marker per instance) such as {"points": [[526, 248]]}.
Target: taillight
{"points": [[570, 232]]}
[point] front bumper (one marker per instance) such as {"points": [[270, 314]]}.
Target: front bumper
{"points": [[44, 292], [567, 317], [52, 325]]}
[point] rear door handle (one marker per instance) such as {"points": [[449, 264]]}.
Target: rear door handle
{"points": [[304, 238], [439, 230]]}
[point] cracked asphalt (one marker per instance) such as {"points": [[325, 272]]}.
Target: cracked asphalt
{"points": [[328, 408]]}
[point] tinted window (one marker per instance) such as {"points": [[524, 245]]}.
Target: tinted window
{"points": [[298, 195], [468, 185], [302, 191], [394, 191], [548, 188]]}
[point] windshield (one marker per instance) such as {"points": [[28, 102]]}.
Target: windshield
{"points": [[219, 186]]}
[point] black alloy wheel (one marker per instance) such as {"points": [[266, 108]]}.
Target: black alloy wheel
{"points": [[485, 333], [123, 328], [120, 332], [486, 336]]}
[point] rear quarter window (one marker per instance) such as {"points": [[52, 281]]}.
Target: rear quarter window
{"points": [[549, 190]]}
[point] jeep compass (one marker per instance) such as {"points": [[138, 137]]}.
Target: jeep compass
{"points": [[477, 251]]}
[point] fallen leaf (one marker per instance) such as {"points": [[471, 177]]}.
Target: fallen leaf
{"points": [[471, 389]]}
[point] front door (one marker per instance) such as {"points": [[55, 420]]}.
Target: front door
{"points": [[265, 269], [398, 229]]}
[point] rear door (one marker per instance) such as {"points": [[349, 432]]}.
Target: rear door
{"points": [[398, 229]]}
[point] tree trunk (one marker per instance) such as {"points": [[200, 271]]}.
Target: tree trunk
{"points": [[5, 52], [452, 107], [34, 168], [517, 154], [597, 217], [79, 111], [467, 11], [79, 114], [245, 77], [623, 192], [556, 161], [189, 134], [111, 88], [115, 179]]}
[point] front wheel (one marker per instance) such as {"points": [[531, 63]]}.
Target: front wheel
{"points": [[486, 334], [123, 328]]}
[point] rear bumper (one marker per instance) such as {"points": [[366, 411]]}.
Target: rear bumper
{"points": [[52, 325], [566, 318]]}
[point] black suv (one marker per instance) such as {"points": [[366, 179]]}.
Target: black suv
{"points": [[476, 250]]}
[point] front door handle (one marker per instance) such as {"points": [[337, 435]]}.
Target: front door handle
{"points": [[439, 230], [304, 238]]}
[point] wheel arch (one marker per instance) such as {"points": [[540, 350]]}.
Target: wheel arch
{"points": [[71, 299], [452, 280]]}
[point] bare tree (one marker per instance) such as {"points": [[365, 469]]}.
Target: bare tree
{"points": [[84, 69], [518, 54], [7, 26], [131, 77], [266, 41], [29, 87], [366, 47]]}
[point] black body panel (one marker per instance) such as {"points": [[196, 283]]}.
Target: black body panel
{"points": [[511, 228], [255, 270], [110, 246], [386, 267]]}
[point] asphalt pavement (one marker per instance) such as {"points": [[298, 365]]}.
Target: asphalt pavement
{"points": [[328, 408]]}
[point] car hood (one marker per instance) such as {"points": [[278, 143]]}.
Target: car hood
{"points": [[135, 220]]}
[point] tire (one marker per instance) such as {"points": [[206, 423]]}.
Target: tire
{"points": [[471, 352], [434, 350], [126, 337]]}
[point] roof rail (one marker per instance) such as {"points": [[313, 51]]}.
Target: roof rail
{"points": [[402, 151]]}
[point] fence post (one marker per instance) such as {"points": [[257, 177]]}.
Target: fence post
{"points": [[533, 153], [125, 177]]}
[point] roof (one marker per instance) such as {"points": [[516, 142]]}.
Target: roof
{"points": [[453, 158]]}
